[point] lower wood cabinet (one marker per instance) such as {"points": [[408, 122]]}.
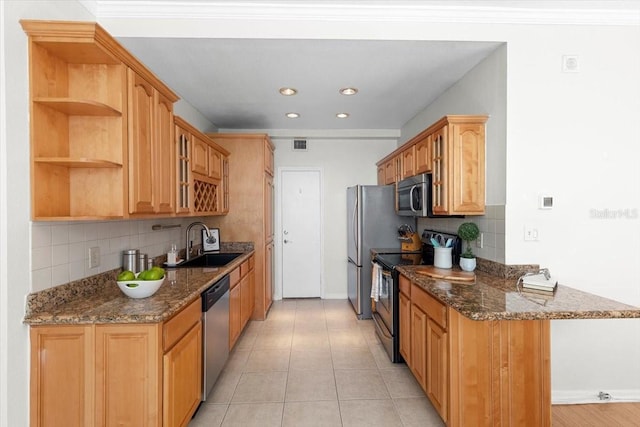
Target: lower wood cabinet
{"points": [[241, 299], [476, 373], [117, 374]]}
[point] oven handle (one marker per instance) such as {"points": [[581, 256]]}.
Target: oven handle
{"points": [[411, 198]]}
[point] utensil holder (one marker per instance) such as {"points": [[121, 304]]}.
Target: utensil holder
{"points": [[442, 257]]}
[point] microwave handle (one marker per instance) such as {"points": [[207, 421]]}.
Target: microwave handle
{"points": [[411, 198]]}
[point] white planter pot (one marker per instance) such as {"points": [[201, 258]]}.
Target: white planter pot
{"points": [[468, 264]]}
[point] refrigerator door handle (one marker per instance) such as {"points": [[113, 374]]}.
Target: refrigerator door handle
{"points": [[355, 226]]}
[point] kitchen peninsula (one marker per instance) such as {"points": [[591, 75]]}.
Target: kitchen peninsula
{"points": [[481, 350]]}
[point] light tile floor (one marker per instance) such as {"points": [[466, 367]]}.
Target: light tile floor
{"points": [[312, 363]]}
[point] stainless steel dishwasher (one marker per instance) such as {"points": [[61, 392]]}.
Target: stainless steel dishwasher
{"points": [[215, 334]]}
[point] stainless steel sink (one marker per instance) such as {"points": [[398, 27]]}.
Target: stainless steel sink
{"points": [[210, 260]]}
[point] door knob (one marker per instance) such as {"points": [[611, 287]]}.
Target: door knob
{"points": [[287, 241]]}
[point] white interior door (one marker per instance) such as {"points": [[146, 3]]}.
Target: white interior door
{"points": [[301, 233]]}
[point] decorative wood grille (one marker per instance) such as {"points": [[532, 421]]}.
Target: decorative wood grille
{"points": [[205, 196]]}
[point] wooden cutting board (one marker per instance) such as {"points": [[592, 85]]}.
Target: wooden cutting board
{"points": [[446, 274]]}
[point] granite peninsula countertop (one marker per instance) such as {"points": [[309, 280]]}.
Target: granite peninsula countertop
{"points": [[494, 298], [101, 301]]}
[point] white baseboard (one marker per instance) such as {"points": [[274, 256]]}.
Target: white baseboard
{"points": [[559, 397]]}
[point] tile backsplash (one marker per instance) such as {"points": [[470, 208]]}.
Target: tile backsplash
{"points": [[491, 225], [60, 250]]}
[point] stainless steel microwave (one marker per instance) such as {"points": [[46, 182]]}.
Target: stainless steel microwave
{"points": [[413, 196]]}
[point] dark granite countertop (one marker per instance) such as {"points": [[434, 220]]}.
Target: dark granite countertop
{"points": [[495, 298], [101, 301]]}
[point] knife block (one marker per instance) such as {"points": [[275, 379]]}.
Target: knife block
{"points": [[411, 243]]}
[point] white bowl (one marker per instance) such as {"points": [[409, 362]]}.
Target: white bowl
{"points": [[140, 288]]}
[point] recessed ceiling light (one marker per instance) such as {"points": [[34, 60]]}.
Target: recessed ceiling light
{"points": [[348, 91], [293, 115], [342, 115], [288, 91]]}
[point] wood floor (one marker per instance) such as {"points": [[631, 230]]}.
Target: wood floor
{"points": [[596, 415]]}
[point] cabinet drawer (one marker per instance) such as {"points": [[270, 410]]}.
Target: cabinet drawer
{"points": [[176, 327], [434, 308], [244, 268], [234, 278], [404, 285]]}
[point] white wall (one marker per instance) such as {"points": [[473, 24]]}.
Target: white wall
{"points": [[344, 162], [575, 136], [14, 369]]}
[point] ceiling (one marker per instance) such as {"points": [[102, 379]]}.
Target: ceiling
{"points": [[234, 82]]}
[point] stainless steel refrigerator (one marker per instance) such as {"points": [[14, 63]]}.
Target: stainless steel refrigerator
{"points": [[371, 223]]}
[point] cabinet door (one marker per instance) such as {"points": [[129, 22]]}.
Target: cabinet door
{"points": [[164, 156], [440, 201], [182, 384], [423, 155], [141, 119], [390, 172], [381, 175], [245, 302], [468, 169], [268, 157], [419, 345], [128, 362], [61, 385], [268, 275], [200, 157], [408, 162], [268, 207], [225, 185], [405, 328], [183, 171], [215, 163], [235, 317], [437, 377]]}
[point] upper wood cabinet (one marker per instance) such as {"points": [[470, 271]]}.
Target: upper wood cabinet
{"points": [[101, 127], [151, 153], [78, 125], [459, 167], [423, 155], [408, 162], [453, 150], [203, 174]]}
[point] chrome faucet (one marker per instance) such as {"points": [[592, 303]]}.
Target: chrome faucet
{"points": [[189, 246]]}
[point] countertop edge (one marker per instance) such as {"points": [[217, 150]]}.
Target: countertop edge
{"points": [[433, 288], [55, 317]]}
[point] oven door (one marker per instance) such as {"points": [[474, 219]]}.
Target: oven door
{"points": [[384, 305]]}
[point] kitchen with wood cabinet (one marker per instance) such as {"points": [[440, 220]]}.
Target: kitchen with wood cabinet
{"points": [[511, 126]]}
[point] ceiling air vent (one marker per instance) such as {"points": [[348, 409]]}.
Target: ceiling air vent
{"points": [[299, 145]]}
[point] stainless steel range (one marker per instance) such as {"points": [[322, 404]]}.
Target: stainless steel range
{"points": [[385, 311]]}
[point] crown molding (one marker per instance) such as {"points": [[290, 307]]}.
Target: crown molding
{"points": [[486, 12]]}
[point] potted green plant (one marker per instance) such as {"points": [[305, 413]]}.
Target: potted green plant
{"points": [[469, 232]]}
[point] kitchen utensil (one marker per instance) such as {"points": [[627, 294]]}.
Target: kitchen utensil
{"points": [[449, 243], [435, 243]]}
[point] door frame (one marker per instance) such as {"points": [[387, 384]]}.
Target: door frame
{"points": [[277, 241]]}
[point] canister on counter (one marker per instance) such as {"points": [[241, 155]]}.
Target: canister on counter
{"points": [[130, 260]]}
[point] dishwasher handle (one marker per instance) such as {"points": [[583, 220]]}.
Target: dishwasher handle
{"points": [[214, 293]]}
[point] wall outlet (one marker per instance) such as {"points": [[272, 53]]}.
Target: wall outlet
{"points": [[94, 257]]}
